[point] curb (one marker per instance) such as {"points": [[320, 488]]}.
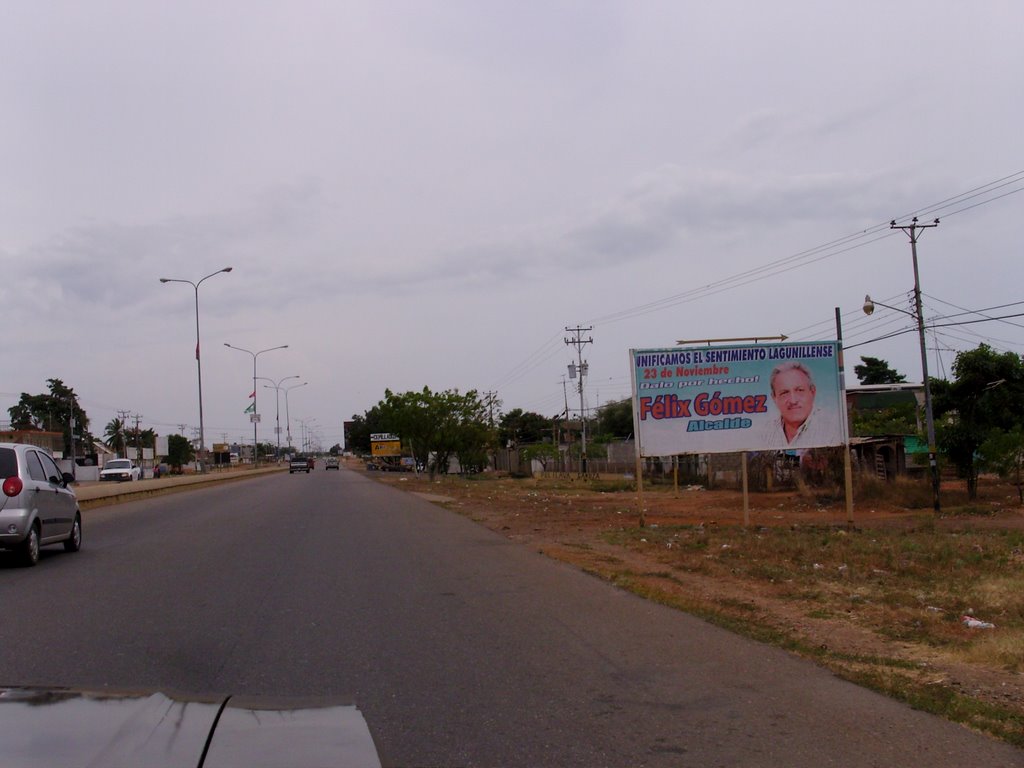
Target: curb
{"points": [[95, 496]]}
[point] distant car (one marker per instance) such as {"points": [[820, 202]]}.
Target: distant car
{"points": [[299, 464], [120, 470], [312, 462], [332, 463], [37, 506]]}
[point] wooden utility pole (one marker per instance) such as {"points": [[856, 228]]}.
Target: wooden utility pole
{"points": [[579, 342]]}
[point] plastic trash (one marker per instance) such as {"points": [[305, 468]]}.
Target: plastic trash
{"points": [[973, 623]]}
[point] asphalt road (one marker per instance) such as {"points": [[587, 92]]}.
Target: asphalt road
{"points": [[459, 647]]}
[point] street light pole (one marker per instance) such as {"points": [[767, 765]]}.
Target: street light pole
{"points": [[255, 414], [277, 394], [287, 412], [869, 307], [199, 364]]}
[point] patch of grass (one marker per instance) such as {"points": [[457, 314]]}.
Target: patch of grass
{"points": [[740, 605], [894, 677], [1001, 722], [911, 585], [820, 613], [581, 545], [902, 492], [1007, 649], [968, 510], [613, 486]]}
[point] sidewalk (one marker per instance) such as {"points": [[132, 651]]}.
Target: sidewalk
{"points": [[101, 494]]}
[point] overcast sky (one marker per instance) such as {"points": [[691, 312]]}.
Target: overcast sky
{"points": [[428, 193]]}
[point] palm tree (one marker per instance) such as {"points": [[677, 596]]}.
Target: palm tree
{"points": [[114, 433]]}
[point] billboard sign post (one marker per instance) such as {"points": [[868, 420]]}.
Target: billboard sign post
{"points": [[726, 399], [737, 399]]}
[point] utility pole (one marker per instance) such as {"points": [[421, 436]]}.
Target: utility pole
{"points": [[138, 441], [123, 417], [565, 417], [912, 233], [71, 425], [490, 407], [579, 342]]}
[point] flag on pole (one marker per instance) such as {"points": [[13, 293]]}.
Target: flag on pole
{"points": [[252, 395], [197, 350], [250, 409]]}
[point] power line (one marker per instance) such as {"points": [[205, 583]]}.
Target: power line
{"points": [[981, 312], [950, 206], [818, 253]]}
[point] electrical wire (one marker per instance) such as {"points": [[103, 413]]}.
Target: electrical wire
{"points": [[950, 206]]}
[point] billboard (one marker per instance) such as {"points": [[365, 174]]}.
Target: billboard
{"points": [[720, 399], [385, 444]]}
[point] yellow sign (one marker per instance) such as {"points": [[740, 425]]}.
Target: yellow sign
{"points": [[386, 448]]}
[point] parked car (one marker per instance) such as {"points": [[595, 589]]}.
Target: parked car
{"points": [[37, 506], [299, 464], [121, 470], [331, 462]]}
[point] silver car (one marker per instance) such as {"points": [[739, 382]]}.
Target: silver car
{"points": [[37, 505]]}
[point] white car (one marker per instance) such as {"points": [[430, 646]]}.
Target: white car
{"points": [[120, 469]]}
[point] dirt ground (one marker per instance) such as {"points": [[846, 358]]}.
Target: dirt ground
{"points": [[571, 522]]}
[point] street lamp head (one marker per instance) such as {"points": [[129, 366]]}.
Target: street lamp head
{"points": [[869, 305], [164, 280], [227, 269]]}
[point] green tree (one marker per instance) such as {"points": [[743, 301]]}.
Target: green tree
{"points": [[615, 420], [435, 426], [179, 451], [1003, 453], [542, 452], [877, 371], [52, 412], [474, 440], [984, 397], [115, 437], [519, 426], [898, 420], [357, 438]]}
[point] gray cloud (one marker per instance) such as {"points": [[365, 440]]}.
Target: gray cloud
{"points": [[397, 185]]}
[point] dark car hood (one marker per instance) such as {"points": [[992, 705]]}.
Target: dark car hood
{"points": [[73, 729]]}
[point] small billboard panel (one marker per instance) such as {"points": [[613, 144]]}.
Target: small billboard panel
{"points": [[722, 399], [386, 448]]}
